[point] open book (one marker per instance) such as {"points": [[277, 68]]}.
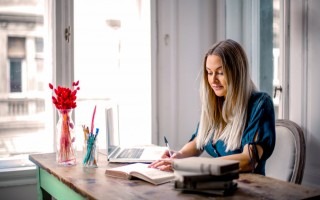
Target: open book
{"points": [[141, 171]]}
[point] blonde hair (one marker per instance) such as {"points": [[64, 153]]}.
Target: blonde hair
{"points": [[224, 118]]}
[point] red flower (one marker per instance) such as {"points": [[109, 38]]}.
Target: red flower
{"points": [[65, 98]]}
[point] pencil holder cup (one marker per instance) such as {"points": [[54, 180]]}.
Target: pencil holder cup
{"points": [[90, 154]]}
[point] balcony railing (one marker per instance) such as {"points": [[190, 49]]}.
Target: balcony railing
{"points": [[21, 106]]}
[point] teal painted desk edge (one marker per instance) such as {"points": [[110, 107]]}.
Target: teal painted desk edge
{"points": [[54, 187]]}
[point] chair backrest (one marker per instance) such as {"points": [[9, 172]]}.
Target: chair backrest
{"points": [[288, 158]]}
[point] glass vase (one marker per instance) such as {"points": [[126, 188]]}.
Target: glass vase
{"points": [[66, 140]]}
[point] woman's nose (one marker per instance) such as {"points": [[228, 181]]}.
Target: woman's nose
{"points": [[215, 78]]}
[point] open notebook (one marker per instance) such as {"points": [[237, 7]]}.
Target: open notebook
{"points": [[132, 154]]}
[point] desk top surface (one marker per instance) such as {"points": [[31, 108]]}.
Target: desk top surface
{"points": [[92, 183]]}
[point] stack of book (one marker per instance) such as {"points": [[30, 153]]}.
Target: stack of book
{"points": [[213, 176]]}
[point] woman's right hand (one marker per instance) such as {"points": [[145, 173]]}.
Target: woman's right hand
{"points": [[165, 163], [174, 154]]}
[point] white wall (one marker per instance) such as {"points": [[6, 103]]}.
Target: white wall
{"points": [[19, 192], [312, 174], [181, 45], [19, 184], [304, 83], [185, 32]]}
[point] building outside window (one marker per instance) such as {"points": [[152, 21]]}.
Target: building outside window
{"points": [[25, 116]]}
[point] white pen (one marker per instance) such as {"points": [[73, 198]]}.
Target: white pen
{"points": [[167, 144]]}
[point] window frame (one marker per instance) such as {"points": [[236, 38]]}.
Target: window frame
{"points": [[61, 14], [249, 36]]}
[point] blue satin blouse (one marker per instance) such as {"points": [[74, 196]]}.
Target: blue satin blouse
{"points": [[261, 121]]}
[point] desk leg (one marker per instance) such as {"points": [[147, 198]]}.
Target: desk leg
{"points": [[45, 195], [42, 194]]}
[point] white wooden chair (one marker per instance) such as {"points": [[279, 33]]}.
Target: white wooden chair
{"points": [[288, 158]]}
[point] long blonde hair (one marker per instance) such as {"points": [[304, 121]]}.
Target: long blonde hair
{"points": [[224, 118]]}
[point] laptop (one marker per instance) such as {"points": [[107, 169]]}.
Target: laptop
{"points": [[132, 154]]}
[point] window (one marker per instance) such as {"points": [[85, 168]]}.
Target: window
{"points": [[256, 25], [277, 72], [16, 54], [26, 122], [15, 75], [39, 44], [112, 60]]}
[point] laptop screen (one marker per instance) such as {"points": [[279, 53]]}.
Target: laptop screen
{"points": [[112, 128], [129, 154]]}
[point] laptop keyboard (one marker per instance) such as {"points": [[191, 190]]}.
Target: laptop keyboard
{"points": [[131, 153]]}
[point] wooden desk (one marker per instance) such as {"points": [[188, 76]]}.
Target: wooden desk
{"points": [[77, 182]]}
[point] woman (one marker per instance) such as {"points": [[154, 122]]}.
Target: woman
{"points": [[237, 122]]}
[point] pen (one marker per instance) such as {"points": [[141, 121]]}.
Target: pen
{"points": [[167, 144]]}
